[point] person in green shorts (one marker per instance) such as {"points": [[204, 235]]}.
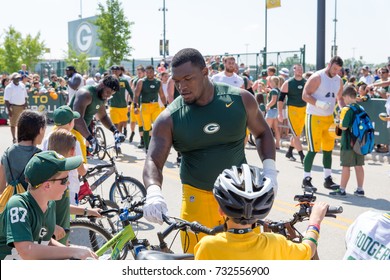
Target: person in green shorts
{"points": [[28, 221], [348, 157], [207, 124]]}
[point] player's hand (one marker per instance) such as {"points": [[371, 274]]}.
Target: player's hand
{"points": [[119, 137], [269, 171], [59, 232], [322, 105], [155, 205]]}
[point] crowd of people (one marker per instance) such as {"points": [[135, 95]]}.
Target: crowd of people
{"points": [[204, 108]]}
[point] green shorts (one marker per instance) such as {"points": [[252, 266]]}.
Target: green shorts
{"points": [[350, 158]]}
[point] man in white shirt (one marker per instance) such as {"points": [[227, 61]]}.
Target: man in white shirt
{"points": [[228, 76], [366, 78], [75, 81], [368, 238], [15, 97]]}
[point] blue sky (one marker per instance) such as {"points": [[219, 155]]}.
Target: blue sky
{"points": [[218, 26]]}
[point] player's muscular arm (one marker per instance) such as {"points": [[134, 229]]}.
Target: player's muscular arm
{"points": [[138, 89], [103, 117], [339, 96], [159, 149], [82, 100], [162, 95], [310, 87], [256, 123]]}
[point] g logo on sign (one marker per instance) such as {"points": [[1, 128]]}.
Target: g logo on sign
{"points": [[211, 128], [84, 37]]}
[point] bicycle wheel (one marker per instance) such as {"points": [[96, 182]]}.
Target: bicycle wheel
{"points": [[88, 234], [126, 190], [101, 140], [110, 222]]}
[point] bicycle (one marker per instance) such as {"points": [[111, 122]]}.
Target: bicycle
{"points": [[107, 246], [286, 228], [124, 189], [98, 132]]}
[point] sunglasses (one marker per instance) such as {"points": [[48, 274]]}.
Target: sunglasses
{"points": [[63, 181]]}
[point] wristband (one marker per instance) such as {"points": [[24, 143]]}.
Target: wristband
{"points": [[312, 240], [113, 129], [315, 225], [315, 232], [85, 211]]}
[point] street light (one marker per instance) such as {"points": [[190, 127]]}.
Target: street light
{"points": [[164, 42]]}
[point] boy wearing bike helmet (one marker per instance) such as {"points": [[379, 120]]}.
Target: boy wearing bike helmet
{"points": [[244, 196]]}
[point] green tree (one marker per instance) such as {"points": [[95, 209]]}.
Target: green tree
{"points": [[114, 33], [80, 62], [32, 50], [11, 50]]}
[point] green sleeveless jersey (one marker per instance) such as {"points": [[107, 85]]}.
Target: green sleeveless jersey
{"points": [[294, 95], [92, 108], [210, 138], [118, 100], [23, 220], [150, 89]]}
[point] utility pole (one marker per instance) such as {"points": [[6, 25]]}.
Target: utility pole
{"points": [[163, 9], [334, 48], [81, 9]]}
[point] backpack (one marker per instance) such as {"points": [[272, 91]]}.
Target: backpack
{"points": [[14, 187], [362, 131]]}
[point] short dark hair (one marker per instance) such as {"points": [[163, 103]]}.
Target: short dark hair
{"points": [[141, 67], [337, 60], [350, 91], [149, 67], [29, 125], [186, 55], [111, 81]]}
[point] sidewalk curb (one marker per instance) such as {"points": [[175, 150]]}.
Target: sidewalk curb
{"points": [[374, 156]]}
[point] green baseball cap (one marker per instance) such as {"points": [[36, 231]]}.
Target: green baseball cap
{"points": [[44, 165], [64, 115]]}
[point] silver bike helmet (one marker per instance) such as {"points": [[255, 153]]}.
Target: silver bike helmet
{"points": [[244, 194]]}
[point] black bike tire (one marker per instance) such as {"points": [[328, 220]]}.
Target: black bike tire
{"points": [[93, 229], [102, 145], [139, 190]]}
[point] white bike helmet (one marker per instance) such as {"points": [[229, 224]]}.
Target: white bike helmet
{"points": [[244, 194]]}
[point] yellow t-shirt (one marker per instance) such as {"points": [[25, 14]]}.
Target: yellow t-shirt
{"points": [[250, 246]]}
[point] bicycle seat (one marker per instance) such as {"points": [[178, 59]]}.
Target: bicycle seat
{"points": [[157, 255]]}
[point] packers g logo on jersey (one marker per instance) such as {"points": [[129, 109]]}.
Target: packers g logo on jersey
{"points": [[211, 128], [97, 107]]}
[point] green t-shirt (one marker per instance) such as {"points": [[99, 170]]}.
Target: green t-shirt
{"points": [[150, 90], [118, 100], [274, 91], [63, 214], [23, 220], [211, 137], [217, 66], [18, 156], [347, 118], [295, 89], [92, 108]]}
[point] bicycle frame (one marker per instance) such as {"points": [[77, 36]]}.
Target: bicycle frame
{"points": [[118, 242]]}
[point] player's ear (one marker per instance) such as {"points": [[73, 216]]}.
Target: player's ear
{"points": [[205, 71]]}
